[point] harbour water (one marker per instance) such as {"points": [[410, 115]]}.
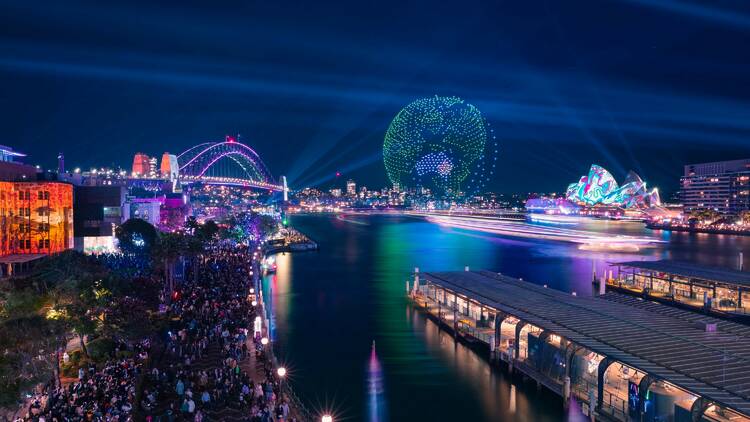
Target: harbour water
{"points": [[355, 347]]}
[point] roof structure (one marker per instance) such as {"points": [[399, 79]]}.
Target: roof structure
{"points": [[667, 345], [21, 258], [689, 270]]}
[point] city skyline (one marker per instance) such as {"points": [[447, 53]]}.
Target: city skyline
{"points": [[563, 87]]}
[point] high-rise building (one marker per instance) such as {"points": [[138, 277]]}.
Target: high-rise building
{"points": [[336, 192], [351, 188], [153, 167], [97, 210], [722, 186], [141, 164]]}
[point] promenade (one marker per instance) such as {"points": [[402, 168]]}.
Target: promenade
{"points": [[208, 363]]}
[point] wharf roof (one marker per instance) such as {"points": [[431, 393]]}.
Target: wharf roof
{"points": [[671, 346], [689, 270]]}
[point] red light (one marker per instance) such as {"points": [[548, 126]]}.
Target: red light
{"points": [[338, 174]]}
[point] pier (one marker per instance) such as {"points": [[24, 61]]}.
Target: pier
{"points": [[621, 357], [718, 291]]}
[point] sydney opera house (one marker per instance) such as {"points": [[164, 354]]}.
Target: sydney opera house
{"points": [[599, 188]]}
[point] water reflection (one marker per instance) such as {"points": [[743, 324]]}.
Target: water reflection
{"points": [[329, 306], [496, 393], [376, 399]]}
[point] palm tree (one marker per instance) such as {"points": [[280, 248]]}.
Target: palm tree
{"points": [[168, 248]]}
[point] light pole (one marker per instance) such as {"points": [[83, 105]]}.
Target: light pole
{"points": [[326, 418]]}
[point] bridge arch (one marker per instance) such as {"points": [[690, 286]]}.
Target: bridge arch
{"points": [[196, 162]]}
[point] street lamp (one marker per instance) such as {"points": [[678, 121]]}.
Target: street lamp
{"points": [[254, 303], [264, 341], [281, 371], [326, 418]]}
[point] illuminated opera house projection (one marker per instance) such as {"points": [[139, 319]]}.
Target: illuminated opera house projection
{"points": [[599, 187]]}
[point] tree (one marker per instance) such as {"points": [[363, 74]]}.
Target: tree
{"points": [[136, 236], [745, 217], [169, 247], [705, 216]]}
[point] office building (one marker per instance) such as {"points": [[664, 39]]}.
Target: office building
{"points": [[351, 188], [722, 186], [97, 210], [11, 169]]}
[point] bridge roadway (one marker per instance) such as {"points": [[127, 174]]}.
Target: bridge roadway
{"points": [[679, 348]]}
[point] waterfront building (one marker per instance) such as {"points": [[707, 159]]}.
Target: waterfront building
{"points": [[336, 192], [622, 358], [713, 289], [351, 188], [97, 210], [141, 164], [599, 187], [722, 186]]}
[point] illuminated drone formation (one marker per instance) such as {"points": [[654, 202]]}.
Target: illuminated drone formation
{"points": [[440, 143]]}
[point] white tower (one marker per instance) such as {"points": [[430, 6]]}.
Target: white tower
{"points": [[285, 187]]}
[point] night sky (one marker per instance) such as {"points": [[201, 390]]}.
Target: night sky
{"points": [[628, 84]]}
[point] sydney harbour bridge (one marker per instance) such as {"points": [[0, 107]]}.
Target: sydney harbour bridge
{"points": [[229, 163]]}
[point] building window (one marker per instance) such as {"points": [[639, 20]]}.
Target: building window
{"points": [[20, 195], [46, 243]]}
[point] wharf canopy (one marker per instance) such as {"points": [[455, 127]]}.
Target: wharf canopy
{"points": [[620, 355], [715, 288]]}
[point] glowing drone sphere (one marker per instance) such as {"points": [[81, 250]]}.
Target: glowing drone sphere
{"points": [[439, 143]]}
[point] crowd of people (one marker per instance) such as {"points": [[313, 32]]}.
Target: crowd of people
{"points": [[98, 394], [210, 338], [210, 363]]}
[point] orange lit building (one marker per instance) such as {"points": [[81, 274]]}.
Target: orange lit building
{"points": [[35, 217]]}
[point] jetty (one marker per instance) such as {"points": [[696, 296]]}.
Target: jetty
{"points": [[621, 358]]}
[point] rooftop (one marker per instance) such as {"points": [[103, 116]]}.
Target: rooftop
{"points": [[667, 345], [686, 269]]}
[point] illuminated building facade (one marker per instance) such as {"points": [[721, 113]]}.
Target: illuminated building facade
{"points": [[351, 188], [722, 186], [141, 164], [599, 187], [35, 217]]}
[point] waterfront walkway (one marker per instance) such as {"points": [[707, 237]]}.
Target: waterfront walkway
{"points": [[704, 368]]}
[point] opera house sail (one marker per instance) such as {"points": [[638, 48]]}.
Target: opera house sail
{"points": [[599, 187]]}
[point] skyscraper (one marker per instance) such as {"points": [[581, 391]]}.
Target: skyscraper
{"points": [[351, 188]]}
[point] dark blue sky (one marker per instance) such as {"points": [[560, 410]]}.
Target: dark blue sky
{"points": [[312, 86]]}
